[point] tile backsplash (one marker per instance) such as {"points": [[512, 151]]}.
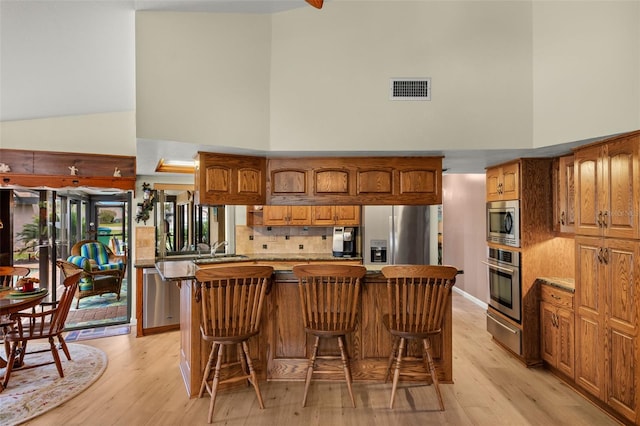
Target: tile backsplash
{"points": [[283, 239]]}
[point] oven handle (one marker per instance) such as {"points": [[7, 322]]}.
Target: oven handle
{"points": [[502, 268], [500, 324]]}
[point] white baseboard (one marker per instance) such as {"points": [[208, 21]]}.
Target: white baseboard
{"points": [[474, 299]]}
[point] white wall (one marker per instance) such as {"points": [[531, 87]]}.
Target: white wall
{"points": [[586, 69], [514, 74], [331, 71], [464, 231], [67, 76], [203, 78]]}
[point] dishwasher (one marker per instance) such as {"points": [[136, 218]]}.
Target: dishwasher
{"points": [[161, 300]]}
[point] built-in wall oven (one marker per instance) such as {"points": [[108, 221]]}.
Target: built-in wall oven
{"points": [[504, 296]]}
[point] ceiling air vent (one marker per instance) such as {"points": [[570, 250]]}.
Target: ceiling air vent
{"points": [[410, 89]]}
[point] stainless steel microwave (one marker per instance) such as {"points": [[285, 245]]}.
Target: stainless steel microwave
{"points": [[503, 222]]}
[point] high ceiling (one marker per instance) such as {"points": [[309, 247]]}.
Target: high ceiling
{"points": [[455, 161]]}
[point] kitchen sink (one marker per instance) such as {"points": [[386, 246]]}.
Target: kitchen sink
{"points": [[219, 259]]}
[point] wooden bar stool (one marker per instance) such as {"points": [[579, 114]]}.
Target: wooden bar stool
{"points": [[329, 298], [232, 299], [417, 299]]}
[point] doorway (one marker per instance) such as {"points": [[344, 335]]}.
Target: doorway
{"points": [[45, 225]]}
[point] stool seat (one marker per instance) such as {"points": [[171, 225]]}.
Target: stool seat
{"points": [[329, 298]]}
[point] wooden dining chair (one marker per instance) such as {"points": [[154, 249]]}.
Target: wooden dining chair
{"points": [[46, 324], [418, 296], [232, 299], [329, 297], [9, 278]]}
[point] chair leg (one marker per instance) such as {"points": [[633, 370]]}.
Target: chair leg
{"points": [[432, 369], [207, 370], [64, 347], [10, 364], [346, 368], [392, 356], [312, 363], [214, 385], [252, 373], [56, 356], [396, 373]]}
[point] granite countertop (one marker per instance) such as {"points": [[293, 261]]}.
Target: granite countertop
{"points": [[567, 284], [176, 270]]}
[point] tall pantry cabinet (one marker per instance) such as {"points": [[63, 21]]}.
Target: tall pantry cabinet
{"points": [[607, 225]]}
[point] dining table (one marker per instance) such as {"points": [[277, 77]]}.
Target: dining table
{"points": [[12, 300]]}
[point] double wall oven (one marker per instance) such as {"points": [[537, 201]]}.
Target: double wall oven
{"points": [[504, 297], [505, 291]]}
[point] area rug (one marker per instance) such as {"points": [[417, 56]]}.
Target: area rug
{"points": [[95, 333], [35, 391]]}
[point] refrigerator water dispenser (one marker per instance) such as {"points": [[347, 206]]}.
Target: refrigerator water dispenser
{"points": [[378, 251]]}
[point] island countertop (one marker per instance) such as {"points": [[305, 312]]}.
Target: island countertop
{"points": [[177, 270]]}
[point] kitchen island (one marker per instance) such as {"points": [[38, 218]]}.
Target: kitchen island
{"points": [[280, 350]]}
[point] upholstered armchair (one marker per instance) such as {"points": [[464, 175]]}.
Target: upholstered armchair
{"points": [[100, 256], [102, 270]]}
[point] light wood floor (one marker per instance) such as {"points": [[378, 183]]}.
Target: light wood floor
{"points": [[142, 386]]}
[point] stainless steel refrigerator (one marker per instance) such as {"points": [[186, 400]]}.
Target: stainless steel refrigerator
{"points": [[395, 235]]}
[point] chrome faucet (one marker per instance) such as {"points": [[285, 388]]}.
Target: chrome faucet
{"points": [[217, 245]]}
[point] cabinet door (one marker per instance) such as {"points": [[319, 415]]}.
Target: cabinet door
{"points": [[493, 177], [621, 356], [566, 194], [590, 316], [548, 333], [620, 188], [299, 215], [275, 215], [347, 215], [589, 205], [323, 215], [510, 181], [565, 341]]}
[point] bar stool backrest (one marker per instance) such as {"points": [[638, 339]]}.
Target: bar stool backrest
{"points": [[418, 296], [232, 298], [329, 295]]}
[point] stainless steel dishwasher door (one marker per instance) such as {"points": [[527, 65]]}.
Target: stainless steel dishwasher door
{"points": [[161, 300]]}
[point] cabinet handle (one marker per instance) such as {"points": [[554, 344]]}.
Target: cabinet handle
{"points": [[600, 259], [562, 218], [605, 256], [605, 221], [600, 219], [555, 319], [555, 297]]}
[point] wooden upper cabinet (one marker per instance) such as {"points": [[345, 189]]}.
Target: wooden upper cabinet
{"points": [[229, 179], [335, 215], [503, 182], [607, 185], [286, 215], [564, 213], [355, 180]]}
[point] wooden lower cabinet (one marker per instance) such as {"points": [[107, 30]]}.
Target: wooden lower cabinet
{"points": [[280, 350], [557, 329], [606, 363]]}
